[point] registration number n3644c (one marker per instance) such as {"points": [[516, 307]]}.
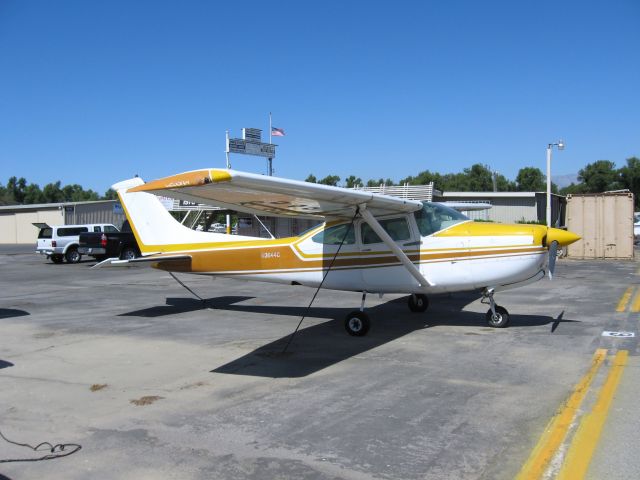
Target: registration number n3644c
{"points": [[270, 254]]}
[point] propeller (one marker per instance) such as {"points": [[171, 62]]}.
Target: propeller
{"points": [[553, 254]]}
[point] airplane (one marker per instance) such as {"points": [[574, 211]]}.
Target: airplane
{"points": [[367, 243]]}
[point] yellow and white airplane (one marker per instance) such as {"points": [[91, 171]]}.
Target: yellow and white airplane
{"points": [[367, 243]]}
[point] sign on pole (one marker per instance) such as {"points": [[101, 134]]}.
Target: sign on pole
{"points": [[251, 144]]}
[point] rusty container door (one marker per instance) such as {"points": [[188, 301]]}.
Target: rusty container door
{"points": [[605, 223]]}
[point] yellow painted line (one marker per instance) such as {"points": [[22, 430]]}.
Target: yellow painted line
{"points": [[635, 306], [586, 437], [622, 304], [557, 428]]}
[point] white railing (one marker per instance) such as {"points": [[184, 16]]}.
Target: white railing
{"points": [[410, 192]]}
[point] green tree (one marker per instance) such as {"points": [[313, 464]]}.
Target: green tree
{"points": [[530, 179], [53, 193], [110, 195], [423, 178], [599, 176], [311, 178], [16, 188], [381, 181], [33, 194], [630, 178], [352, 181], [330, 180]]}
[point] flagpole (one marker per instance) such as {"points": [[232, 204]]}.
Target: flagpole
{"points": [[269, 165]]}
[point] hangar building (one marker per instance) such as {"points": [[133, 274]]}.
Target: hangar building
{"points": [[16, 220]]}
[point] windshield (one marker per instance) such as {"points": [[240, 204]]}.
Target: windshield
{"points": [[434, 217]]}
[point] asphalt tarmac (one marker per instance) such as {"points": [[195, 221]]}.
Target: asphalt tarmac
{"points": [[152, 383]]}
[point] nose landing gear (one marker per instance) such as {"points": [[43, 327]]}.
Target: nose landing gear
{"points": [[497, 316], [418, 302], [357, 323]]}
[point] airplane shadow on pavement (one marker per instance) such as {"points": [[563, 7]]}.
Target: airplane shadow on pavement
{"points": [[12, 312], [184, 305], [322, 345]]}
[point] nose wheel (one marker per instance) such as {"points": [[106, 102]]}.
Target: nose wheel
{"points": [[357, 323], [418, 302], [497, 316]]}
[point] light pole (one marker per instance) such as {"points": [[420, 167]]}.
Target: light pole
{"points": [[560, 145]]}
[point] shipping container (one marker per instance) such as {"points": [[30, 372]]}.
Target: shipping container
{"points": [[605, 223]]}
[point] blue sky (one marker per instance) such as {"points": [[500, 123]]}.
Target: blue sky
{"points": [[95, 92]]}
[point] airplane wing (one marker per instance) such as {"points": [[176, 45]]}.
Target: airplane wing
{"points": [[262, 195]]}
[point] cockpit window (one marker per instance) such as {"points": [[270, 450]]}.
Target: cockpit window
{"points": [[334, 235], [397, 229], [434, 217]]}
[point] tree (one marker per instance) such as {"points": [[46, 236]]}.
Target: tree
{"points": [[330, 180], [53, 193], [381, 181], [599, 176], [352, 181], [530, 179], [311, 178], [16, 188], [110, 195], [33, 194], [423, 178], [630, 178]]}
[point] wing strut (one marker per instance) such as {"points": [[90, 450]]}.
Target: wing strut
{"points": [[413, 270]]}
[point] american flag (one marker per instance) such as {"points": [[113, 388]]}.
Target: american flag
{"points": [[277, 132]]}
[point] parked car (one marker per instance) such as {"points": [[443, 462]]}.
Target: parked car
{"points": [[120, 244], [636, 227], [61, 242]]}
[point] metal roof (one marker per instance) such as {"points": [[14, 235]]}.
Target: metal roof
{"points": [[48, 206]]}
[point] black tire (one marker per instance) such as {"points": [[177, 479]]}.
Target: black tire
{"points": [[72, 256], [128, 253], [418, 303], [357, 323], [501, 318], [57, 258]]}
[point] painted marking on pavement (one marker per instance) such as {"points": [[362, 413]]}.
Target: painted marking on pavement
{"points": [[586, 437], [635, 306], [557, 428], [619, 334], [622, 304]]}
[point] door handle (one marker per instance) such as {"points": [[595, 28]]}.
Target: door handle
{"points": [[408, 244], [366, 250]]}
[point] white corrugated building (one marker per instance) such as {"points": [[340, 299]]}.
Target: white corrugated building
{"points": [[16, 221], [510, 207]]}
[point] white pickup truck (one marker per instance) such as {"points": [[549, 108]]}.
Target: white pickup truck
{"points": [[60, 242]]}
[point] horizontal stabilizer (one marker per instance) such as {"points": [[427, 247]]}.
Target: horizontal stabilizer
{"points": [[142, 261]]}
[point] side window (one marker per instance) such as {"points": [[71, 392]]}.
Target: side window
{"points": [[397, 228], [96, 229], [110, 229], [334, 235], [71, 231]]}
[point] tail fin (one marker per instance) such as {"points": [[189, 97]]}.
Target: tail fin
{"points": [[156, 231]]}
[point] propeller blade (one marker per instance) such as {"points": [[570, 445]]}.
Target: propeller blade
{"points": [[553, 253]]}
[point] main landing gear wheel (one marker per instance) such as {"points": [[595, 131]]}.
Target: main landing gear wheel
{"points": [[500, 319], [357, 323], [418, 303]]}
